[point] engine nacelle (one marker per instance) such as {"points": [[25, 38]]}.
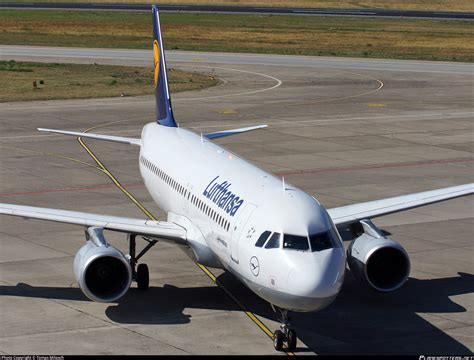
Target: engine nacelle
{"points": [[380, 262], [102, 271]]}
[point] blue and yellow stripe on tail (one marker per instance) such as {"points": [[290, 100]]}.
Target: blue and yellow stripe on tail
{"points": [[164, 111]]}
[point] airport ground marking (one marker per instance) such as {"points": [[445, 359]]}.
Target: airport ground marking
{"points": [[379, 87], [278, 84], [52, 155], [302, 172]]}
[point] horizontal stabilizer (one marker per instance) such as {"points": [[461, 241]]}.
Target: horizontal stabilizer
{"points": [[223, 133], [367, 210], [119, 139]]}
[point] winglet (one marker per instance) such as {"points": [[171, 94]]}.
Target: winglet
{"points": [[164, 111]]}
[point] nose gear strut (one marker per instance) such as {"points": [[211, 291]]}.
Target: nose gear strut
{"points": [[285, 334]]}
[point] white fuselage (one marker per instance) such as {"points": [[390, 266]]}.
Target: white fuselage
{"points": [[226, 204]]}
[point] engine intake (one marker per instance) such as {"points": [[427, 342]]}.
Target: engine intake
{"points": [[102, 271], [380, 262]]}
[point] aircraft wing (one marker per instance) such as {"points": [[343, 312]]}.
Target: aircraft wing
{"points": [[161, 229], [119, 139], [223, 133], [351, 213]]}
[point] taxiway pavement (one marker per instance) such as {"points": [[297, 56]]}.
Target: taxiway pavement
{"points": [[344, 130]]}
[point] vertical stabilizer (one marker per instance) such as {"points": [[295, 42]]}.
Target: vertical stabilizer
{"points": [[164, 111]]}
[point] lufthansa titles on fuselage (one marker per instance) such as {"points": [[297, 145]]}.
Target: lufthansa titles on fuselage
{"points": [[224, 198]]}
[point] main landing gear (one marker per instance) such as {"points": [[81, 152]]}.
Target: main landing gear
{"points": [[140, 273], [285, 334]]}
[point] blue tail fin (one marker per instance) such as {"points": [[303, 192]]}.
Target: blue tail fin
{"points": [[164, 112]]}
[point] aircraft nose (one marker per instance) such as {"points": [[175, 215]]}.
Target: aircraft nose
{"points": [[318, 280]]}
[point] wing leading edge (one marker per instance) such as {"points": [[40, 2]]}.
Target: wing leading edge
{"points": [[161, 229], [351, 213]]}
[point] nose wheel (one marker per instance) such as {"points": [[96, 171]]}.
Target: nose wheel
{"points": [[285, 335]]}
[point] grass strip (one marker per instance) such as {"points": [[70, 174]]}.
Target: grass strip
{"points": [[23, 81]]}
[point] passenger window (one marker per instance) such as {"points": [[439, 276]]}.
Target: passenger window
{"points": [[274, 242], [295, 242], [261, 240]]}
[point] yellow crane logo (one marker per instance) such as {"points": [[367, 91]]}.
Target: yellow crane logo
{"points": [[156, 60]]}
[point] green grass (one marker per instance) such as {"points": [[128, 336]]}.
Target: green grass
{"points": [[305, 35], [72, 81]]}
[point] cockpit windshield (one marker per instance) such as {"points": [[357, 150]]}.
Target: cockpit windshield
{"points": [[274, 242], [295, 242], [262, 239], [324, 240], [315, 242]]}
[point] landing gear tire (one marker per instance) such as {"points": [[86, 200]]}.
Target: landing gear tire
{"points": [[143, 277], [278, 338], [285, 334], [291, 340]]}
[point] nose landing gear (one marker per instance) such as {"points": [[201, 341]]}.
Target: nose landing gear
{"points": [[285, 334]]}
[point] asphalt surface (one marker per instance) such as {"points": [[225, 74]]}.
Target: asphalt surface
{"points": [[344, 130], [246, 10], [142, 57]]}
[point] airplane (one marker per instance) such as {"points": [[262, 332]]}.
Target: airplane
{"points": [[227, 213]]}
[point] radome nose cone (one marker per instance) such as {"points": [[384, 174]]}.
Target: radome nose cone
{"points": [[319, 277]]}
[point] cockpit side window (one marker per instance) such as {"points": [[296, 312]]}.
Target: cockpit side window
{"points": [[274, 242], [295, 242], [261, 240], [323, 241]]}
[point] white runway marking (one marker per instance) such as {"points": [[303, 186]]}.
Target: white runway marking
{"points": [[127, 103]]}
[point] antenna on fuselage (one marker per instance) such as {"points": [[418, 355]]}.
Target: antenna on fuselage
{"points": [[283, 182]]}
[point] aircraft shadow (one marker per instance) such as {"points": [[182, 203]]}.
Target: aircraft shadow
{"points": [[360, 321]]}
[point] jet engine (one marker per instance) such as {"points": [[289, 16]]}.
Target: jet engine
{"points": [[380, 262], [103, 272]]}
